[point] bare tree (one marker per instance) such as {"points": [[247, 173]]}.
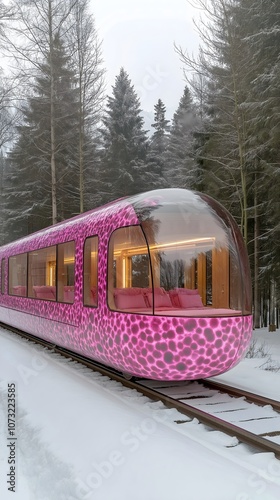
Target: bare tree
{"points": [[6, 14], [83, 39], [219, 79], [30, 40], [235, 79], [7, 84], [8, 114]]}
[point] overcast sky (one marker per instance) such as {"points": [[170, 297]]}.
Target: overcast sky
{"points": [[139, 35]]}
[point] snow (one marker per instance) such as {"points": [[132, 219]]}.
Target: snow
{"points": [[82, 436]]}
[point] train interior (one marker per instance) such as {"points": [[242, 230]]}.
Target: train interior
{"points": [[181, 259], [50, 273], [176, 262]]}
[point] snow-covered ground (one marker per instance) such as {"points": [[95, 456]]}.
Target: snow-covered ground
{"points": [[80, 436]]}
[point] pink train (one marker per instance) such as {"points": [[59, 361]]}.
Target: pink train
{"points": [[156, 285]]}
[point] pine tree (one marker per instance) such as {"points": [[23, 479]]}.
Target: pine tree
{"points": [[223, 63], [181, 169], [159, 138], [30, 158], [157, 146], [263, 34], [239, 63], [123, 169]]}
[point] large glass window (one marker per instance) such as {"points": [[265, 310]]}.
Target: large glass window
{"points": [[65, 272], [90, 271], [192, 262], [194, 257], [129, 271], [18, 275], [185, 259], [50, 273], [42, 274], [3, 268]]}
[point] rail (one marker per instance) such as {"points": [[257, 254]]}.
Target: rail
{"points": [[179, 394]]}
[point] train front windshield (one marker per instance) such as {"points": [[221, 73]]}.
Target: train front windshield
{"points": [[186, 258]]}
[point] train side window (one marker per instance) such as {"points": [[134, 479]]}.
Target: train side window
{"points": [[90, 271], [42, 274], [18, 274], [3, 276], [129, 271], [65, 272]]}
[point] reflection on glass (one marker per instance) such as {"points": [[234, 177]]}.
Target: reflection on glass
{"points": [[18, 275], [184, 259], [42, 274], [129, 271], [91, 271]]}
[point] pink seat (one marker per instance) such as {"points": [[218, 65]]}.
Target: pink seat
{"points": [[129, 298], [68, 294], [160, 298], [45, 292], [19, 290], [185, 298], [93, 293]]}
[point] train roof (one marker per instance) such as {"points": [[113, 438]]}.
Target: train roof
{"points": [[139, 205], [72, 222]]}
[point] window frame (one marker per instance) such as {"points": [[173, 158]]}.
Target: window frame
{"points": [[111, 285], [9, 275], [30, 293], [28, 282], [58, 288], [87, 292], [3, 274]]}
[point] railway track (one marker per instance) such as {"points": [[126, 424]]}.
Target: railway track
{"points": [[252, 419]]}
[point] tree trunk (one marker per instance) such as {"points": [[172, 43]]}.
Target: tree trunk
{"points": [[53, 167], [256, 261]]}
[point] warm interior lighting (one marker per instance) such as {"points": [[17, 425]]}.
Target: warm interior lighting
{"points": [[189, 243], [69, 260]]}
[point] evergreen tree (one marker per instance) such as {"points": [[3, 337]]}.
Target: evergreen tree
{"points": [[158, 145], [238, 149], [181, 169], [159, 138], [37, 143], [263, 33], [2, 201], [223, 62], [123, 169], [89, 73]]}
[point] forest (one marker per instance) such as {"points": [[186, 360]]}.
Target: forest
{"points": [[66, 147]]}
